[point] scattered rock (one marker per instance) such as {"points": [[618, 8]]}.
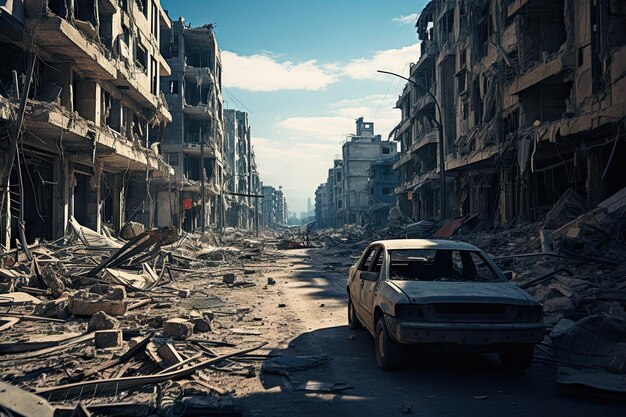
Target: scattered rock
{"points": [[54, 281], [82, 303], [229, 278], [102, 321], [178, 329], [282, 305], [271, 281], [201, 325], [53, 309], [108, 338], [184, 293]]}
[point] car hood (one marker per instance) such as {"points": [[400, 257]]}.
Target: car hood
{"points": [[423, 292]]}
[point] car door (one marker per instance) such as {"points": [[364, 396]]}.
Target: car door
{"points": [[368, 288], [357, 284]]}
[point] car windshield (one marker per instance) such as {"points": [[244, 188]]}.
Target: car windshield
{"points": [[441, 265]]}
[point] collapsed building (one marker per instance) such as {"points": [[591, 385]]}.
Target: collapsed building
{"points": [[528, 97], [241, 182], [194, 141], [81, 115]]}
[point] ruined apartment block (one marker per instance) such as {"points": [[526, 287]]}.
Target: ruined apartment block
{"points": [[88, 148], [329, 198], [241, 175], [274, 207], [532, 103], [358, 152], [194, 140], [382, 182]]}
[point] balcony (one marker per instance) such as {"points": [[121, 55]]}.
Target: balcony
{"points": [[58, 39], [48, 122]]}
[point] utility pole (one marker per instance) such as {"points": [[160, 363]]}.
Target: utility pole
{"points": [[202, 182], [13, 150], [440, 132]]}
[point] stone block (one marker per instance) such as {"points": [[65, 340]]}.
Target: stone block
{"points": [[201, 325], [83, 303], [108, 338], [178, 329], [102, 321], [229, 278]]}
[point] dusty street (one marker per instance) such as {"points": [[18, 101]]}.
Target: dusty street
{"points": [[311, 283]]}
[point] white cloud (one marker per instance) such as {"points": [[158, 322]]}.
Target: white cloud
{"points": [[263, 72], [299, 166], [393, 60], [406, 20]]}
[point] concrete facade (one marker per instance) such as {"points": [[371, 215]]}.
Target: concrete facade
{"points": [[532, 104], [194, 141], [94, 115], [382, 183], [241, 176], [358, 152]]}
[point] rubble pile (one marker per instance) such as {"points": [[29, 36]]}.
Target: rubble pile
{"points": [[136, 327], [574, 263]]}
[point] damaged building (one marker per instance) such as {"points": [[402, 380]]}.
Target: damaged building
{"points": [[194, 141], [81, 115], [241, 179], [530, 99], [274, 207], [354, 191]]}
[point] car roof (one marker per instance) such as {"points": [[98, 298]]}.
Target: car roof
{"points": [[396, 244]]}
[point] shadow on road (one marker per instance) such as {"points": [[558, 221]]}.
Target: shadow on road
{"points": [[433, 383]]}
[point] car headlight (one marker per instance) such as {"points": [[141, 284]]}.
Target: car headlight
{"points": [[410, 312]]}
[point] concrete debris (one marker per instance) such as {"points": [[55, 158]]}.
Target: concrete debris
{"points": [[201, 325], [102, 321], [178, 328], [85, 303], [229, 278], [108, 338]]}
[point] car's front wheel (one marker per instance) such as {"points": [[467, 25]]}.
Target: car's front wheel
{"points": [[518, 358], [353, 320], [388, 351]]}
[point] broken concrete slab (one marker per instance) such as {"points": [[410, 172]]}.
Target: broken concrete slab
{"points": [[178, 329], [201, 325], [102, 321], [83, 303], [108, 338]]}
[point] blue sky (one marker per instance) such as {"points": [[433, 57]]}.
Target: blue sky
{"points": [[306, 70]]}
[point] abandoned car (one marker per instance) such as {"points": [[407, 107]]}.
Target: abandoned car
{"points": [[441, 295]]}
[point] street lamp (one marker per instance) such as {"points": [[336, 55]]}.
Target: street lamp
{"points": [[440, 127]]}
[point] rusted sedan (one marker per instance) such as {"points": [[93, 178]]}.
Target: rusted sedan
{"points": [[441, 295]]}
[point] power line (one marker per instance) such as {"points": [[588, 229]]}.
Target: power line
{"points": [[237, 100]]}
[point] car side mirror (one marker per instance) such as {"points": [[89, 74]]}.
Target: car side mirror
{"points": [[508, 275], [368, 276]]}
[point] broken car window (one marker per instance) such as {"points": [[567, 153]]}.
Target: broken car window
{"points": [[441, 265]]}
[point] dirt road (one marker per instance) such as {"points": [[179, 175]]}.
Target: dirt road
{"points": [[311, 285]]}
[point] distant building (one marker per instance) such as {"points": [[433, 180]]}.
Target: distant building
{"points": [[358, 153], [193, 142], [241, 176], [382, 182]]}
